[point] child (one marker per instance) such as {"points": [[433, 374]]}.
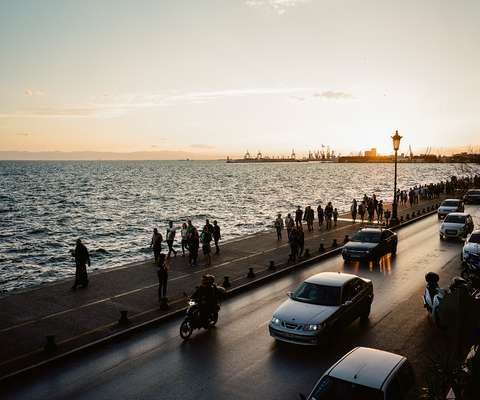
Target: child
{"points": [[335, 217]]}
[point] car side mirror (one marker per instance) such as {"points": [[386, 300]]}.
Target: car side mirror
{"points": [[289, 294], [347, 303], [302, 396]]}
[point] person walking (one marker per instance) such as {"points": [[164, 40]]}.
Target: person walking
{"points": [[156, 244], [208, 227], [162, 274], [278, 224], [300, 240], [289, 224], [298, 216], [388, 214], [216, 236], [309, 217], [184, 234], [380, 211], [193, 246], [335, 217], [293, 242], [321, 216], [353, 210], [206, 238], [329, 214], [82, 258], [361, 211], [171, 232]]}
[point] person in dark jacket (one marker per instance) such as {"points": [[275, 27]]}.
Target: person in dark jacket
{"points": [[156, 244], [300, 240], [162, 274], [206, 297], [298, 217], [82, 258], [216, 236]]}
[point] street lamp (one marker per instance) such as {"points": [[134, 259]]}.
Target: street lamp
{"points": [[396, 145]]}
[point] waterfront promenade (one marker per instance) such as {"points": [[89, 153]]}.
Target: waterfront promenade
{"points": [[88, 315]]}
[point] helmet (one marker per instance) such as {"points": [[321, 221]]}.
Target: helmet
{"points": [[432, 277]]}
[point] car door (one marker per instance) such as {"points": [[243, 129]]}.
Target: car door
{"points": [[346, 311], [352, 301]]}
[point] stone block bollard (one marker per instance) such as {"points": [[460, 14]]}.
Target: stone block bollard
{"points": [[226, 282], [407, 217], [307, 253], [123, 321], [346, 239], [251, 274], [321, 249], [271, 265], [423, 211], [401, 219], [334, 243], [50, 345]]}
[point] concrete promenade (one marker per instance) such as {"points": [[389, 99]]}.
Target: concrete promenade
{"points": [[87, 315]]}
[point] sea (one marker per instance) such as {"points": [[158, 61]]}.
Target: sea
{"points": [[113, 206]]}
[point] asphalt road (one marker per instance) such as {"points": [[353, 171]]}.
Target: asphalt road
{"points": [[238, 359]]}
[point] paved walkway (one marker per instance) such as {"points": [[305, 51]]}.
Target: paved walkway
{"points": [[81, 317]]}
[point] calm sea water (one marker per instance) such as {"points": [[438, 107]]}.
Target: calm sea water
{"points": [[113, 206]]}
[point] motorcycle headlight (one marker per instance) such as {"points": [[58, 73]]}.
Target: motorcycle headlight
{"points": [[276, 321]]}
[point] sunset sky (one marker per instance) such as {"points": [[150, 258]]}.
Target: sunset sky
{"points": [[220, 77]]}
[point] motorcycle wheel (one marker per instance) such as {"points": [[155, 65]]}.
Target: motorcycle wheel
{"points": [[213, 319], [186, 329]]}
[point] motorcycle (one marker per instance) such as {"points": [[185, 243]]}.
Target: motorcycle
{"points": [[433, 296], [194, 321]]}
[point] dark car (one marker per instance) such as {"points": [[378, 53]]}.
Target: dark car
{"points": [[472, 196], [322, 304], [370, 244]]}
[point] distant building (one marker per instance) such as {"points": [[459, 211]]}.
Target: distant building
{"points": [[372, 153]]}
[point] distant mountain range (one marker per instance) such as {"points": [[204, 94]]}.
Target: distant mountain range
{"points": [[94, 155]]}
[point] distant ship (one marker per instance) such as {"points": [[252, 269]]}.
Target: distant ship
{"points": [[323, 156]]}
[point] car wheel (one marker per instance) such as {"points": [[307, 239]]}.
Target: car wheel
{"points": [[365, 314]]}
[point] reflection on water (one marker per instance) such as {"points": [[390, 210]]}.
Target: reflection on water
{"points": [[113, 205]]}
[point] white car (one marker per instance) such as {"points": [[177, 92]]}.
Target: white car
{"points": [[448, 206], [471, 248], [456, 225], [366, 374], [324, 302]]}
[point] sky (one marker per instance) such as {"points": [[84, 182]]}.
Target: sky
{"points": [[217, 78]]}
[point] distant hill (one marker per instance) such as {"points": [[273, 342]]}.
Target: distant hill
{"points": [[94, 155]]}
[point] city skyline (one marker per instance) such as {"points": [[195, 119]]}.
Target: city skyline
{"points": [[223, 78]]}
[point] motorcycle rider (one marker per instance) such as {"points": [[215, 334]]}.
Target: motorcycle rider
{"points": [[206, 295]]}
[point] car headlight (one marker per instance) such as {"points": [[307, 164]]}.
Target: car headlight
{"points": [[276, 321], [313, 327]]}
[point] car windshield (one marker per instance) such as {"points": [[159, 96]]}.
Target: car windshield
{"points": [[476, 192], [455, 219], [317, 294], [366, 236], [450, 203], [330, 388], [475, 238]]}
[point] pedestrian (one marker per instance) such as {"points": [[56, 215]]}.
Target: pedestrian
{"points": [[300, 240], [216, 236], [361, 211], [184, 234], [321, 216], [370, 211], [298, 217], [329, 214], [293, 242], [193, 246], [162, 274], [387, 214], [171, 232], [206, 238], [289, 224], [208, 227], [82, 258], [353, 210], [156, 244], [335, 217], [309, 217], [380, 211], [278, 224]]}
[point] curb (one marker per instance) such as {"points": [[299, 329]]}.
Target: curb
{"points": [[155, 321]]}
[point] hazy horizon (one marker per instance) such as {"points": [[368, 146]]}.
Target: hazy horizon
{"points": [[215, 79]]}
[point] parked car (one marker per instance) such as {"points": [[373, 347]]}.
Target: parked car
{"points": [[472, 196], [366, 374], [456, 225], [323, 303], [370, 244], [471, 248], [448, 206]]}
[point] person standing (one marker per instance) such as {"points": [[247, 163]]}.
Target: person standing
{"points": [[171, 232], [208, 227], [156, 244], [361, 211], [82, 258], [298, 217], [293, 242], [300, 240], [206, 238], [216, 236], [321, 216], [329, 214], [193, 244], [289, 224], [335, 217], [380, 211], [353, 210], [184, 233], [388, 214], [162, 274], [278, 226]]}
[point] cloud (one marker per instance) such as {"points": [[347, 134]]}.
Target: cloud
{"points": [[279, 6], [331, 95], [28, 92], [202, 146], [31, 92], [25, 134]]}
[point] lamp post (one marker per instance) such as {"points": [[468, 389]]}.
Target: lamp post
{"points": [[396, 145]]}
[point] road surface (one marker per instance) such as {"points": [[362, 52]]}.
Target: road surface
{"points": [[238, 359]]}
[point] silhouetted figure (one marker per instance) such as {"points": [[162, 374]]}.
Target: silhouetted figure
{"points": [[300, 240], [162, 274], [216, 236], [321, 216], [289, 224], [329, 214], [293, 242], [309, 216], [82, 258], [380, 211], [353, 210], [171, 232], [387, 214], [209, 228], [278, 226], [335, 217], [206, 238], [361, 211], [184, 233], [156, 244], [298, 217], [193, 243]]}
